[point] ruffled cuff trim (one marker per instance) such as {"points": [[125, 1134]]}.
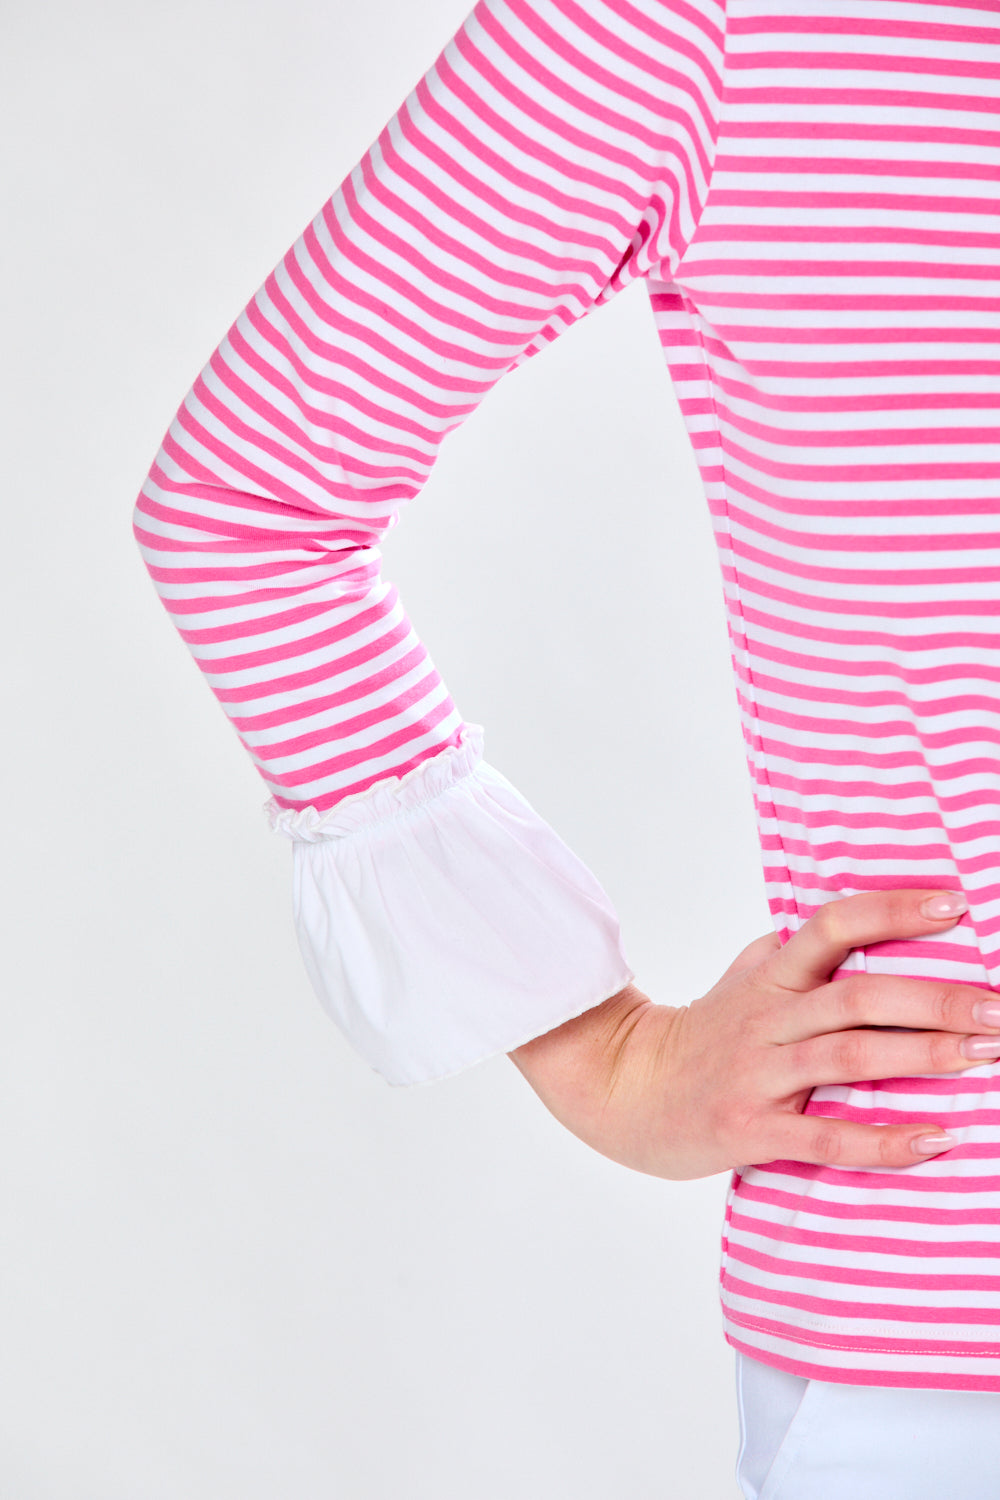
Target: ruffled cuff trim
{"points": [[385, 799]]}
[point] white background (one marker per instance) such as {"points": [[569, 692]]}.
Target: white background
{"points": [[234, 1264]]}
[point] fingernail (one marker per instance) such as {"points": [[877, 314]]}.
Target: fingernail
{"points": [[947, 904], [927, 1145], [980, 1047], [987, 1013]]}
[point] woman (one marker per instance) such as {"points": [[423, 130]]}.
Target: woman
{"points": [[809, 192]]}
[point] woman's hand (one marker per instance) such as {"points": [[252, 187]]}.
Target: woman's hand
{"points": [[723, 1082]]}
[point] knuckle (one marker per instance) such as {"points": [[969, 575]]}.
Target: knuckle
{"points": [[734, 1124], [831, 922], [898, 907], [827, 1142], [757, 981], [947, 1007], [756, 954], [799, 1058], [888, 1148], [850, 1053], [854, 999], [734, 1132], [942, 1054]]}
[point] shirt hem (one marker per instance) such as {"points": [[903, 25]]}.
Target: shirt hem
{"points": [[916, 1376], [889, 1348]]}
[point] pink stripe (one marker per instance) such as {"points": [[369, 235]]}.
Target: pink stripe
{"points": [[869, 1244], [389, 745], [863, 1342], [836, 1307], [406, 698], [863, 26], [872, 1182], [832, 1208], [377, 682]]}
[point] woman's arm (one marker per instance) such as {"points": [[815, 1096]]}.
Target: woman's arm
{"points": [[556, 151]]}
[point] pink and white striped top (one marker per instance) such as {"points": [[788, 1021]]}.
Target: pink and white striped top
{"points": [[810, 190]]}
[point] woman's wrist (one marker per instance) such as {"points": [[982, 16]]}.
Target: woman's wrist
{"points": [[577, 1069]]}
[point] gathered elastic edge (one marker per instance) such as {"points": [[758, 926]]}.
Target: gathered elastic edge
{"points": [[384, 799]]}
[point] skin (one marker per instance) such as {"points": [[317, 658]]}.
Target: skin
{"points": [[688, 1091]]}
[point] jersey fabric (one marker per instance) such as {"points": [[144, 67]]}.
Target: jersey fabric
{"points": [[809, 190]]}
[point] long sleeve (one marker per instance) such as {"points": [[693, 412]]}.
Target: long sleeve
{"points": [[555, 152]]}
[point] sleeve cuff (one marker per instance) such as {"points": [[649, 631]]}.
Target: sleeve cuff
{"points": [[442, 921]]}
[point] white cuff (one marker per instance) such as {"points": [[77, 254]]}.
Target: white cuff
{"points": [[443, 921]]}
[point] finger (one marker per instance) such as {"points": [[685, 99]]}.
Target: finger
{"points": [[826, 938], [753, 954], [822, 1141], [856, 1056], [886, 1000]]}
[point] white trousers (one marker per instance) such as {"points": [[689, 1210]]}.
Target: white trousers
{"points": [[820, 1440]]}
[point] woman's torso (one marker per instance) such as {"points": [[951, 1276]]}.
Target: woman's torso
{"points": [[833, 333]]}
